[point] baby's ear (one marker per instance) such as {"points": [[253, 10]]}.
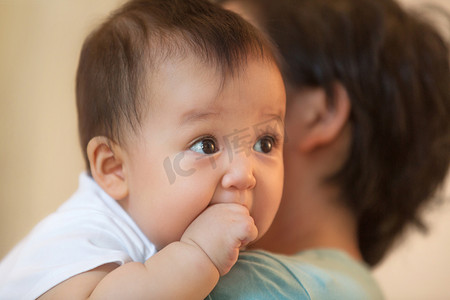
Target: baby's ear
{"points": [[106, 162], [322, 121]]}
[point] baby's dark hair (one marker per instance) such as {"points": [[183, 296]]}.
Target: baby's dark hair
{"points": [[395, 68], [118, 58]]}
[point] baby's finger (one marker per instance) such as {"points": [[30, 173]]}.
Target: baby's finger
{"points": [[250, 233]]}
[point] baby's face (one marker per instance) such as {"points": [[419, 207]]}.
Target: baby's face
{"points": [[202, 144]]}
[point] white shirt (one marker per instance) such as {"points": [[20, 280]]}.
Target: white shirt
{"points": [[89, 230]]}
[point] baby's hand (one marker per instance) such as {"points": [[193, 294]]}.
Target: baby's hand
{"points": [[220, 231]]}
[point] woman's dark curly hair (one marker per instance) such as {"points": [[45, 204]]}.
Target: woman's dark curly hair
{"points": [[395, 68]]}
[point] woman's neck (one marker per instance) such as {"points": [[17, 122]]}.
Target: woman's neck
{"points": [[319, 221]]}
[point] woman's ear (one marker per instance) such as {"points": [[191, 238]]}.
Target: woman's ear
{"points": [[106, 162], [322, 121]]}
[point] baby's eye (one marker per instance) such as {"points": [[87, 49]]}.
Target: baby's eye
{"points": [[264, 144], [205, 146]]}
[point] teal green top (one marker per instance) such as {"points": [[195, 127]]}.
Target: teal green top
{"points": [[312, 274]]}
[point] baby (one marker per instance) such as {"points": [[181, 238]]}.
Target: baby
{"points": [[181, 109]]}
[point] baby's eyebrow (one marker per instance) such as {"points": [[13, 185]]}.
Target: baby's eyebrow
{"points": [[277, 116], [194, 116]]}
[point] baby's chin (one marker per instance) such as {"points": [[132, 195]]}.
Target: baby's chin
{"points": [[253, 244]]}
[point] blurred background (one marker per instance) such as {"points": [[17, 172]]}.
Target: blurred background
{"points": [[40, 158]]}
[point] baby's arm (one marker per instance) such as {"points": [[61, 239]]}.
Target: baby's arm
{"points": [[187, 269]]}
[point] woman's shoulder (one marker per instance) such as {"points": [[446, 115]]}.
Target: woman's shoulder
{"points": [[312, 274]]}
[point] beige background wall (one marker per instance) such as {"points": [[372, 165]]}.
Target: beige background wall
{"points": [[40, 158]]}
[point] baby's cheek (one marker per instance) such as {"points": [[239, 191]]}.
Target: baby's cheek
{"points": [[268, 200], [264, 214]]}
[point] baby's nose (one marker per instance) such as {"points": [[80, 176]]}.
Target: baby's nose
{"points": [[240, 173]]}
